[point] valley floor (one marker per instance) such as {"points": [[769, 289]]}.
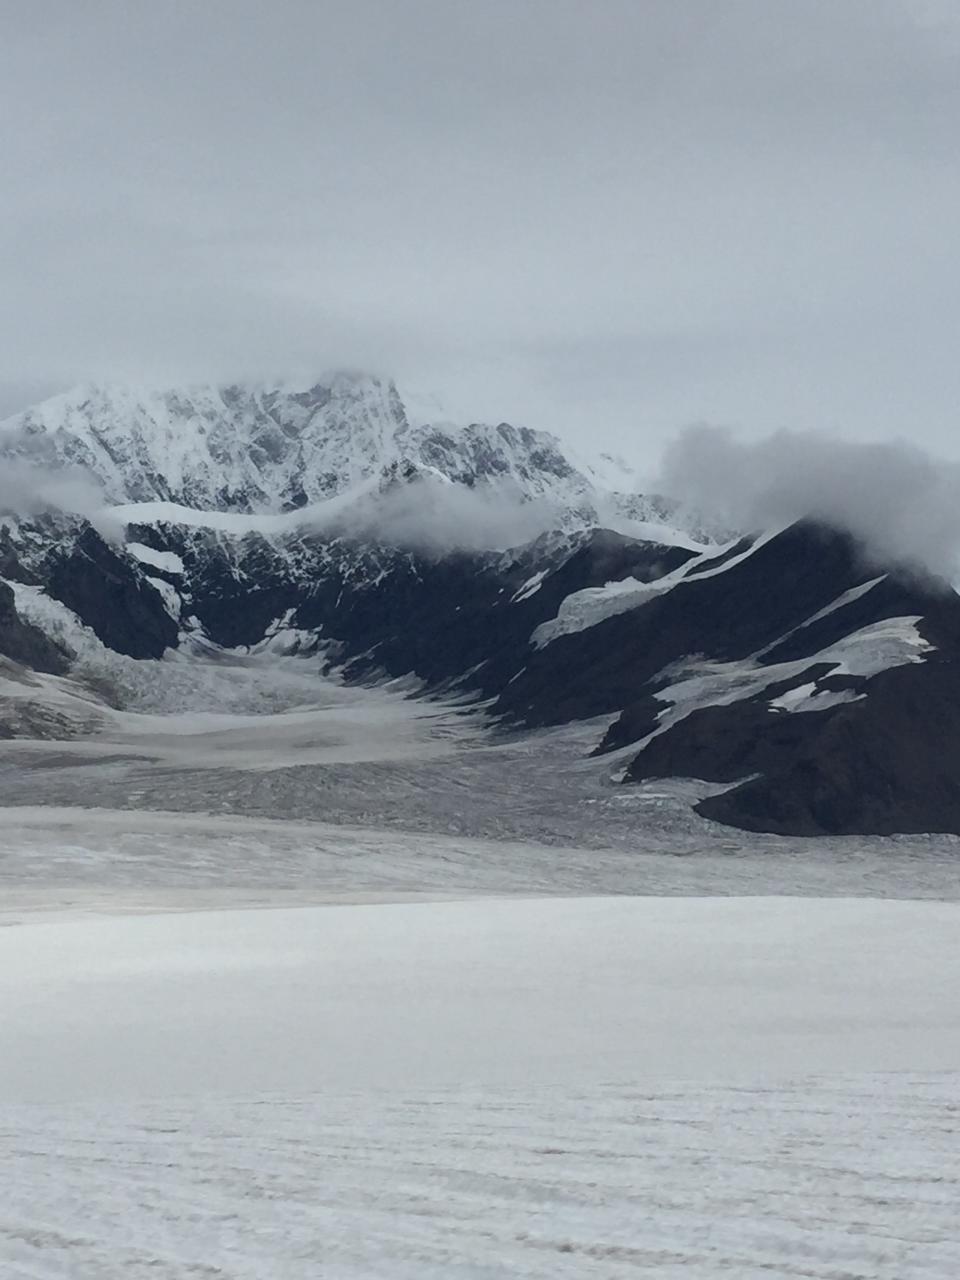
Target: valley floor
{"points": [[495, 1017], [248, 779]]}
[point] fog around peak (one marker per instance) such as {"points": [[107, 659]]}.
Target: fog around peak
{"points": [[29, 488], [436, 516], [901, 502]]}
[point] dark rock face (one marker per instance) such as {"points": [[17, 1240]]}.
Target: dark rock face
{"points": [[888, 763], [727, 616], [464, 614], [401, 612], [26, 644], [725, 744], [111, 597], [11, 567]]}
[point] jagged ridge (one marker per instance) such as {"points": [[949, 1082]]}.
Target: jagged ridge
{"points": [[260, 448]]}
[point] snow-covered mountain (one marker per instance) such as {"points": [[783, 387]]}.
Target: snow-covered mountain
{"points": [[232, 448], [782, 666], [268, 449]]}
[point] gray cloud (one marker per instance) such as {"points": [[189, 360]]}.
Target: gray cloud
{"points": [[30, 488], [902, 503], [607, 219], [437, 516]]}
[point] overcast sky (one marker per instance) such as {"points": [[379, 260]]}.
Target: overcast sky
{"points": [[606, 217]]}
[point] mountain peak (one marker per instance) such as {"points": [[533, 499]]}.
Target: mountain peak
{"points": [[245, 447], [269, 447]]}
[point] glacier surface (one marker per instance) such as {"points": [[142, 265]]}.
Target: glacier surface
{"points": [[522, 1088]]}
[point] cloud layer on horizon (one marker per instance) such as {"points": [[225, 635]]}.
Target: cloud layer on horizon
{"points": [[606, 220]]}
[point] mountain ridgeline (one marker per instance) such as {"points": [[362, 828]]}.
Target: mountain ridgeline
{"points": [[816, 691]]}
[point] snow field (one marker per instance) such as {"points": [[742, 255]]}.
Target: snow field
{"points": [[511, 991], [580, 1088], [855, 1177]]}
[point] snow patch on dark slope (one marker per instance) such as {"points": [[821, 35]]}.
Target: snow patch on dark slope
{"points": [[699, 674]]}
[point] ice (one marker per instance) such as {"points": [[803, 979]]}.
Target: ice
{"points": [[698, 683], [530, 587], [165, 560], [845, 598], [255, 774], [583, 609], [806, 698]]}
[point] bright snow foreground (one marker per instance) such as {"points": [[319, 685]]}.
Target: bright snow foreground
{"points": [[581, 1087]]}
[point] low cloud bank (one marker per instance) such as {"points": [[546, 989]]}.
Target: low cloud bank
{"points": [[434, 516], [28, 488], [901, 503]]}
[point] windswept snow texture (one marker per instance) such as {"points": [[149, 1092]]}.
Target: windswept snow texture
{"points": [[583, 1088], [854, 1177], [523, 991]]}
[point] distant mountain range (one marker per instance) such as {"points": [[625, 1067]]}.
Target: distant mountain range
{"points": [[270, 449], [820, 690]]}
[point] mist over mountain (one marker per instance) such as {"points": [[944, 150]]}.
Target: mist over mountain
{"points": [[339, 454], [265, 449], [31, 486], [751, 626], [899, 501]]}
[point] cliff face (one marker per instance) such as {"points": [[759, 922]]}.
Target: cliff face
{"points": [[26, 644]]}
